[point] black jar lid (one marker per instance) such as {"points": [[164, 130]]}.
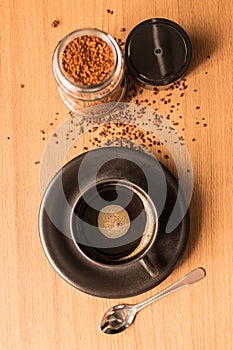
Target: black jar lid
{"points": [[158, 52]]}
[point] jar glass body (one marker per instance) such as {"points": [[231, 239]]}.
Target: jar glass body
{"points": [[81, 98]]}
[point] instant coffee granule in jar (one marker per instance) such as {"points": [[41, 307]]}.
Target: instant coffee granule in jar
{"points": [[88, 60], [88, 67]]}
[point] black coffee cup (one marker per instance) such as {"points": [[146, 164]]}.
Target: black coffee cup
{"points": [[115, 222]]}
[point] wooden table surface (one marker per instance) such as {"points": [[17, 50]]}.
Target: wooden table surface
{"points": [[38, 309]]}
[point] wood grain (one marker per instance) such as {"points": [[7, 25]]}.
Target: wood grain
{"points": [[39, 311]]}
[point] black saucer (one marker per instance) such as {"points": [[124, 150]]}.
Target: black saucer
{"points": [[101, 280]]}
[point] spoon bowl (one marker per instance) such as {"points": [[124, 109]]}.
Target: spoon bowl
{"points": [[118, 318]]}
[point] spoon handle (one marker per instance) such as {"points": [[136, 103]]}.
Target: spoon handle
{"points": [[192, 277]]}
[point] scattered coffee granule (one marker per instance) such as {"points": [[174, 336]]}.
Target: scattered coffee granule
{"points": [[37, 162], [42, 131], [206, 72], [208, 56], [166, 156], [122, 29], [108, 10], [87, 60], [193, 139], [198, 107], [22, 86], [195, 90], [55, 23], [8, 138], [121, 134], [204, 124]]}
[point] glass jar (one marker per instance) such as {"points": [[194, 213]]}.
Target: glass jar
{"points": [[79, 97]]}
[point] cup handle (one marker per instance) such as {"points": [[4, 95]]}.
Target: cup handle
{"points": [[149, 266]]}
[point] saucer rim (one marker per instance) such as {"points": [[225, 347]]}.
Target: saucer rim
{"points": [[102, 292]]}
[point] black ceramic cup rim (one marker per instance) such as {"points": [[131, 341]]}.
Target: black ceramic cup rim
{"points": [[141, 255]]}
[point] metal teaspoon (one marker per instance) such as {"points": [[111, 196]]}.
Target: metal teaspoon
{"points": [[120, 317]]}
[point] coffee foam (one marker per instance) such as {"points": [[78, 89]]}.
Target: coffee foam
{"points": [[113, 221]]}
